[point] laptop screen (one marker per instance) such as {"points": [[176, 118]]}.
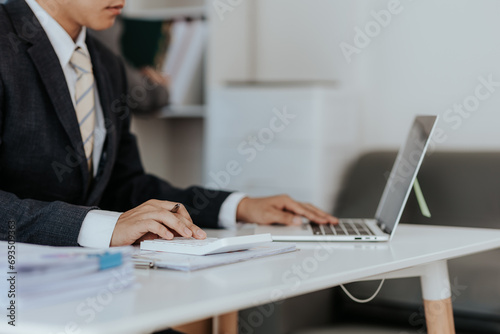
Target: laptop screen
{"points": [[403, 173]]}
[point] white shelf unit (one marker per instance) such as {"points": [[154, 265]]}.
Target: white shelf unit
{"points": [[190, 111], [163, 9], [165, 13], [158, 10], [171, 140]]}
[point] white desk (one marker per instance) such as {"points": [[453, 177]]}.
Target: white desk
{"points": [[169, 298]]}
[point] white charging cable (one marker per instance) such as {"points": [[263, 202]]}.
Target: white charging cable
{"points": [[362, 301]]}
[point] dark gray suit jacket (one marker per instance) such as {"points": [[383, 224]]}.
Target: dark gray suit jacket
{"points": [[45, 187]]}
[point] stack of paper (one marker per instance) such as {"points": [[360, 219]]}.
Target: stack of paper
{"points": [[44, 275], [184, 262]]}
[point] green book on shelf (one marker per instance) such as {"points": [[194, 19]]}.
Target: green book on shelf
{"points": [[144, 43]]}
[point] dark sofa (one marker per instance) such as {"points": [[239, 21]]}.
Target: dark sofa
{"points": [[461, 189]]}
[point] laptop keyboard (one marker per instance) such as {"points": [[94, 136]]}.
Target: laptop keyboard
{"points": [[344, 227]]}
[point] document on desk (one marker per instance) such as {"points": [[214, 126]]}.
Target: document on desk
{"points": [[184, 262], [45, 275]]}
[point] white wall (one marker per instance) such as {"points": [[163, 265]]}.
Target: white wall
{"points": [[298, 39], [171, 148], [427, 59], [280, 40]]}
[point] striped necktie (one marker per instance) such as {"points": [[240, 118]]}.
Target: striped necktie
{"points": [[85, 100]]}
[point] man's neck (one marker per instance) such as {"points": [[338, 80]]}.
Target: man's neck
{"points": [[53, 9]]}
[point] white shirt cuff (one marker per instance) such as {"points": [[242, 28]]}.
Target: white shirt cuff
{"points": [[227, 214], [97, 228]]}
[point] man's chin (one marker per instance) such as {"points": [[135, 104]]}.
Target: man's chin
{"points": [[103, 24]]}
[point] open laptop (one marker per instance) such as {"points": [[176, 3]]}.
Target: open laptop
{"points": [[391, 205]]}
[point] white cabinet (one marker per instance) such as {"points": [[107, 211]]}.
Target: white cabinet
{"points": [[294, 139], [164, 9]]}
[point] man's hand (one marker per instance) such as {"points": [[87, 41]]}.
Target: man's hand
{"points": [[153, 219], [280, 209], [156, 76]]}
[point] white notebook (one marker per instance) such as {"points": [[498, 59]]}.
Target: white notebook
{"points": [[206, 246], [185, 262]]}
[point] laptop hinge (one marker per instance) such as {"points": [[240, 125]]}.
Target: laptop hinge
{"points": [[383, 227]]}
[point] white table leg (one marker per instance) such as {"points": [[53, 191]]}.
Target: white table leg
{"points": [[437, 298]]}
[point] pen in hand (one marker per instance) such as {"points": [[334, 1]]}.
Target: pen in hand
{"points": [[175, 208], [200, 232]]}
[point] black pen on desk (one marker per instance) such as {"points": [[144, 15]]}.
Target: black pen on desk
{"points": [[175, 208]]}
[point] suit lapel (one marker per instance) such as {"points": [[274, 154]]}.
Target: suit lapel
{"points": [[49, 68], [103, 81]]}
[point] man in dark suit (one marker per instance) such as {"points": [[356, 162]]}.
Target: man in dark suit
{"points": [[69, 164]]}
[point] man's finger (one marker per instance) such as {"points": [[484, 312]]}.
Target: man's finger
{"points": [[184, 212], [169, 206], [147, 236], [177, 223], [197, 232], [331, 219], [158, 229], [283, 217], [300, 209], [170, 220]]}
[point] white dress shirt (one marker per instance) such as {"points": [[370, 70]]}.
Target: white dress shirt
{"points": [[97, 227]]}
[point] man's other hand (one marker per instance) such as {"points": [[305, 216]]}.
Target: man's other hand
{"points": [[281, 210], [154, 219]]}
